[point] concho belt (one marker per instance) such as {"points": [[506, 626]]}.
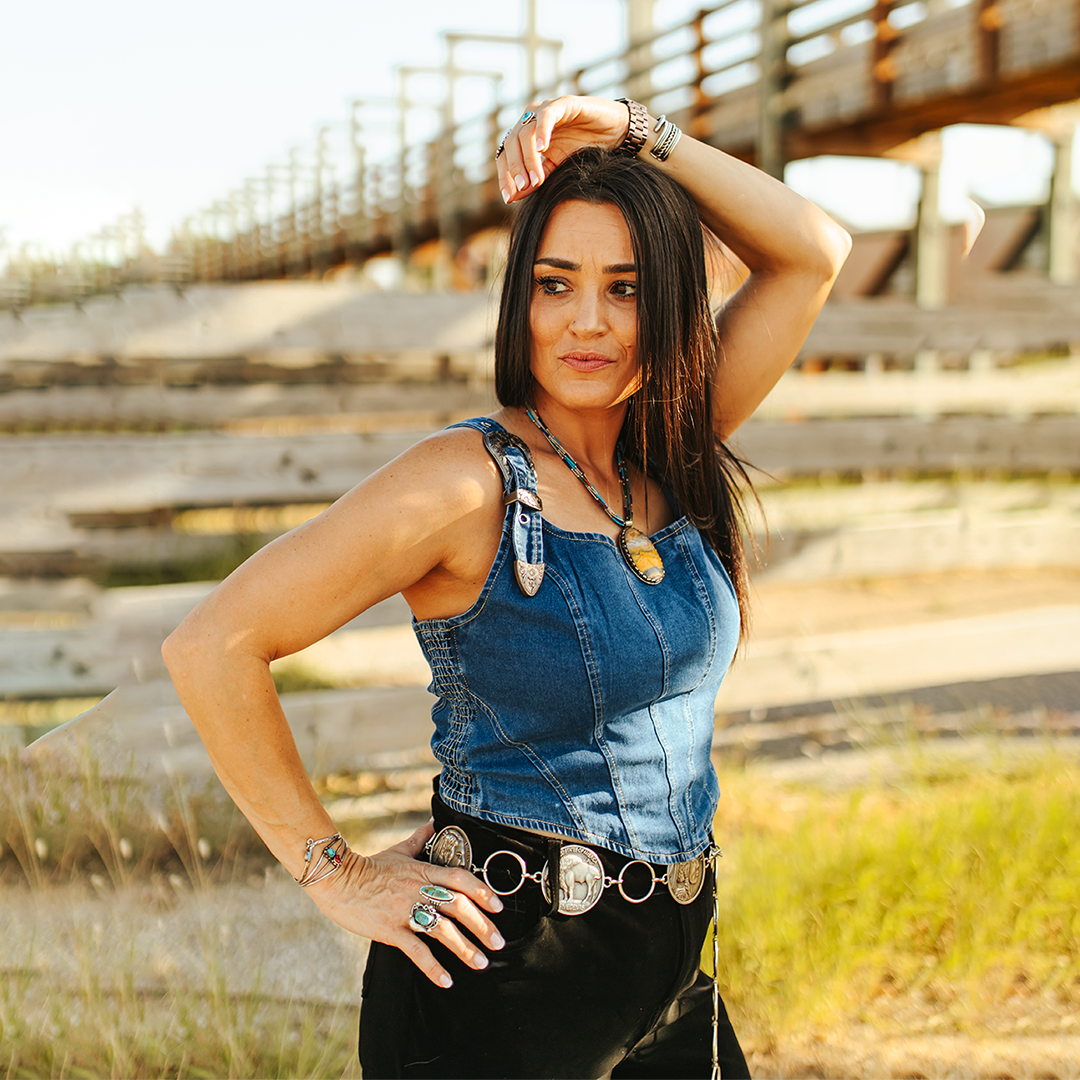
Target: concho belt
{"points": [[582, 880]]}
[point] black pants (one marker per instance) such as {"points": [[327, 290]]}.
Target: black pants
{"points": [[616, 988]]}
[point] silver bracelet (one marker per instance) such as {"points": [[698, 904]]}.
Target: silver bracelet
{"points": [[332, 856], [667, 138]]}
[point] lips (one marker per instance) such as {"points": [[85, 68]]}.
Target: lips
{"points": [[586, 361]]}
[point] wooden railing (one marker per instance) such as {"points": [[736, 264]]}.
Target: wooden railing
{"points": [[768, 80]]}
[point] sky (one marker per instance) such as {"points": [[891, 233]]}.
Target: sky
{"points": [[114, 104]]}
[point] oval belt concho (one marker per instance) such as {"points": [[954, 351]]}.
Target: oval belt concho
{"points": [[450, 847], [684, 880], [582, 880]]}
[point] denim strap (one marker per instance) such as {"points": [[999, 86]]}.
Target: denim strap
{"points": [[515, 464]]}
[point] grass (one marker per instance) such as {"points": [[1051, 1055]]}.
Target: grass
{"points": [[171, 1032], [945, 901], [119, 954], [936, 904]]}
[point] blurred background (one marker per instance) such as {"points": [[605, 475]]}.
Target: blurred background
{"points": [[249, 254]]}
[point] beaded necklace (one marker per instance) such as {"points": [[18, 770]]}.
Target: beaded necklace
{"points": [[637, 549]]}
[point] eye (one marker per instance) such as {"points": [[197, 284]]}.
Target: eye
{"points": [[551, 286], [625, 288]]}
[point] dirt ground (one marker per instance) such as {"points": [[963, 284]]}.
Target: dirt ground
{"points": [[782, 609], [853, 1053]]}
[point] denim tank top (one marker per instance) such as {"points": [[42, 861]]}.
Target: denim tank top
{"points": [[586, 708]]}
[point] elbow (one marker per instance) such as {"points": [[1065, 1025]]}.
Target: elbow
{"points": [[176, 651], [188, 647], [835, 246], [201, 650]]}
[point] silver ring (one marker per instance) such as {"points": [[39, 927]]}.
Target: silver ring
{"points": [[424, 919], [436, 894], [487, 881], [527, 117], [652, 882], [498, 152]]}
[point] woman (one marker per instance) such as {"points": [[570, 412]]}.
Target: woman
{"points": [[575, 570]]}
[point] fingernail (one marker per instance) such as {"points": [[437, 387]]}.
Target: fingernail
{"points": [[445, 981], [480, 962], [497, 941], [521, 183], [496, 904], [505, 195], [534, 179]]}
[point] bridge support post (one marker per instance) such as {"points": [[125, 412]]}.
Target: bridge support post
{"points": [[1064, 217], [931, 235], [771, 80], [639, 28]]}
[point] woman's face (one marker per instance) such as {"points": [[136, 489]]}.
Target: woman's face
{"points": [[583, 313]]}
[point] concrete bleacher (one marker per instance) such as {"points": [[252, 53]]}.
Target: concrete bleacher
{"points": [[288, 320], [163, 427]]}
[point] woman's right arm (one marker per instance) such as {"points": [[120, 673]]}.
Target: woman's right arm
{"points": [[412, 527]]}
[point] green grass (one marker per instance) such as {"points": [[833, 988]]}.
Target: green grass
{"points": [[955, 892], [947, 900]]}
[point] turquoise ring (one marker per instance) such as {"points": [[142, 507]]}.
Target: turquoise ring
{"points": [[424, 919], [527, 118], [437, 894]]}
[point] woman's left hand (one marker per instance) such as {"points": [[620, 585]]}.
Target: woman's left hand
{"points": [[534, 149]]}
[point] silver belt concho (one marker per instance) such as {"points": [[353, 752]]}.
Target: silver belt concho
{"points": [[582, 880]]}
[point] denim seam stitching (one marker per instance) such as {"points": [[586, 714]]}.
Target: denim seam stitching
{"points": [[588, 658], [449, 682], [537, 762], [706, 602]]}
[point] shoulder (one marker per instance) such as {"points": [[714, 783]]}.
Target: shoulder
{"points": [[449, 466]]}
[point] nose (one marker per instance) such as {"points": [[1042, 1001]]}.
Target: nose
{"points": [[588, 317]]}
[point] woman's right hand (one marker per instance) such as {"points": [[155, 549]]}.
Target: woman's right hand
{"points": [[373, 896], [531, 151]]}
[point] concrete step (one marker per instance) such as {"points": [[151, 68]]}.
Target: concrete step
{"points": [[116, 499], [74, 639], [267, 318]]}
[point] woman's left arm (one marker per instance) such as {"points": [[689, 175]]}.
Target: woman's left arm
{"points": [[792, 249]]}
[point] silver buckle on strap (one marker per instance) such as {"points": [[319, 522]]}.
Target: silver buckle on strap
{"points": [[523, 495]]}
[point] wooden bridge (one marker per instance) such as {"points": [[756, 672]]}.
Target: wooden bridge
{"points": [[768, 80]]}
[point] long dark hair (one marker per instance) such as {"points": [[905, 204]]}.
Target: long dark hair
{"points": [[669, 430]]}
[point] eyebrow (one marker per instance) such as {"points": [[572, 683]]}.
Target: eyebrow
{"points": [[566, 264]]}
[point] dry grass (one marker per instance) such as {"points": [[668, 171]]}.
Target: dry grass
{"points": [[944, 902]]}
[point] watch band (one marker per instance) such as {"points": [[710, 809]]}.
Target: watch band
{"points": [[638, 131]]}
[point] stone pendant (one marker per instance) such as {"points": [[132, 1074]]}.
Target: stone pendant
{"points": [[641, 555]]}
